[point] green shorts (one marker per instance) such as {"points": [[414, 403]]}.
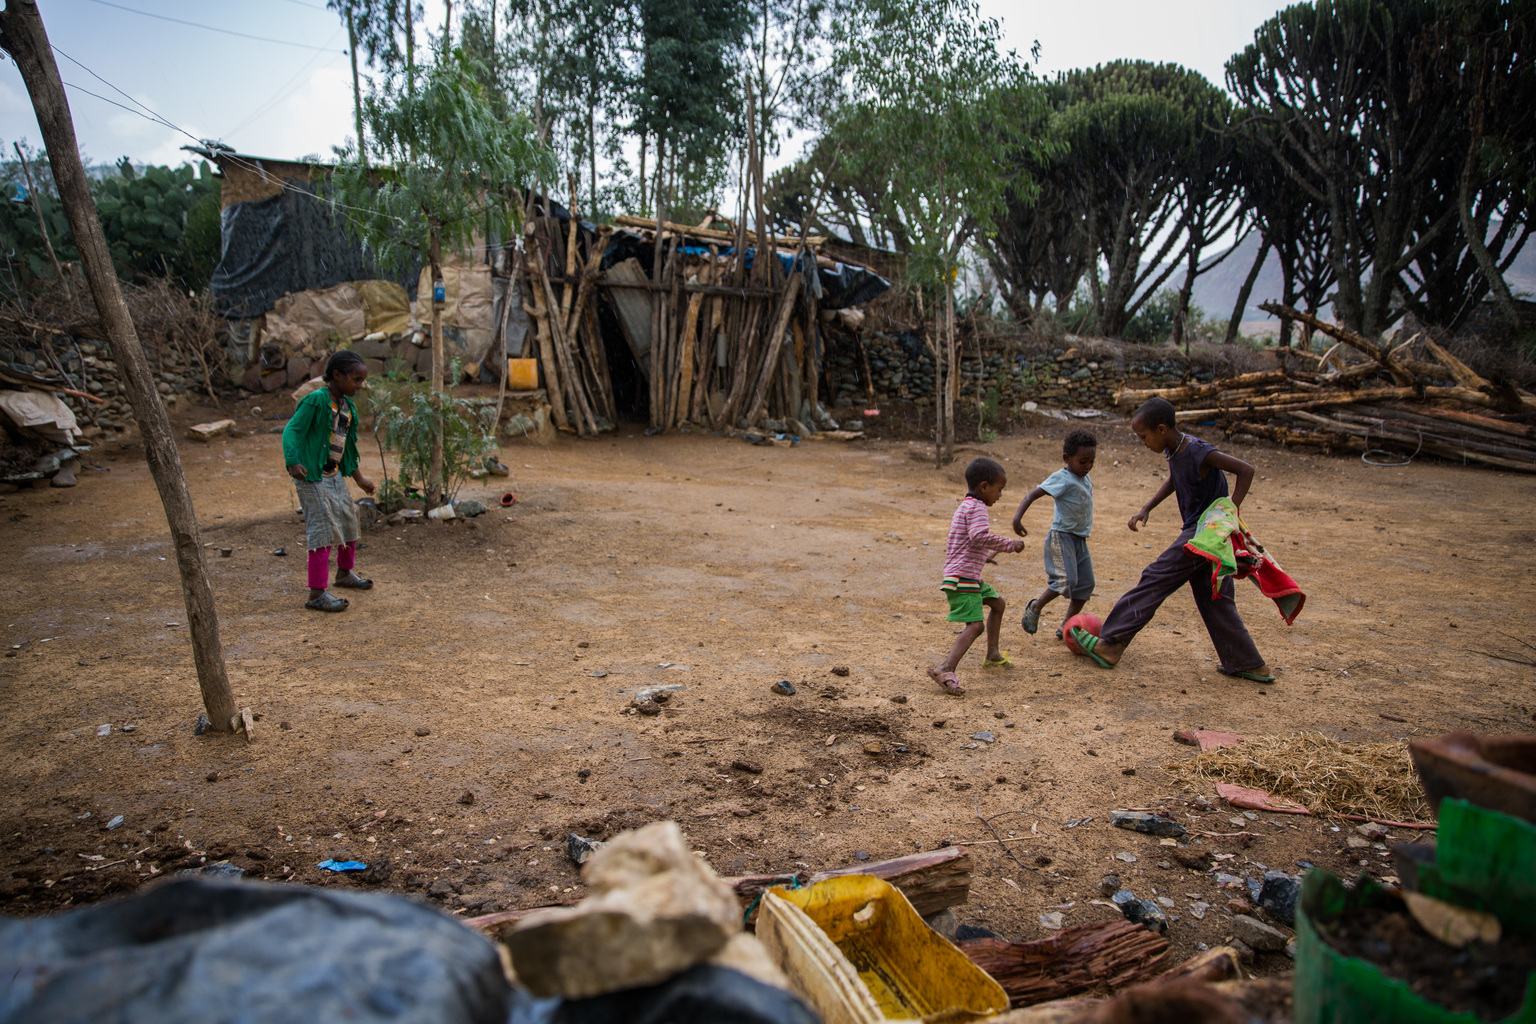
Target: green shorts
{"points": [[967, 607]]}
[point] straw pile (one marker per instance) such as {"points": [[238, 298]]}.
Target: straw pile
{"points": [[1328, 777]]}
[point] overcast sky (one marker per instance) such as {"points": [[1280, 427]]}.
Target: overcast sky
{"points": [[288, 93]]}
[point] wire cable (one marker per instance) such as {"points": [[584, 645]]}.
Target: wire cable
{"points": [[208, 28], [283, 91]]}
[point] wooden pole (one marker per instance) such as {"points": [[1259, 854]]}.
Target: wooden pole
{"points": [[436, 490], [42, 225], [23, 37]]}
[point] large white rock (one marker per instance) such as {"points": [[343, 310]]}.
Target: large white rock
{"points": [[654, 910]]}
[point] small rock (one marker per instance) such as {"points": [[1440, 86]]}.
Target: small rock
{"points": [[580, 849], [130, 728], [985, 737], [1262, 937], [1186, 737], [1278, 896], [599, 673], [215, 869], [974, 931], [1243, 950], [285, 725], [840, 670], [213, 776], [1197, 910], [584, 774], [747, 766], [1372, 831], [280, 552], [422, 730], [1140, 911], [860, 855], [1165, 901], [541, 795], [1126, 856], [1290, 947], [202, 726], [1127, 771], [874, 749], [944, 922], [784, 687], [469, 508], [377, 872], [1356, 843], [441, 888], [1054, 921], [1240, 906], [105, 729], [466, 798], [938, 723], [1110, 884], [115, 823], [899, 698], [1142, 821], [646, 707]]}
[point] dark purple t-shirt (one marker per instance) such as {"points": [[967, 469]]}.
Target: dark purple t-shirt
{"points": [[1195, 495]]}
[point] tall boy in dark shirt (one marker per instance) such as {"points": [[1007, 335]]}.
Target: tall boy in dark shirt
{"points": [[1196, 474]]}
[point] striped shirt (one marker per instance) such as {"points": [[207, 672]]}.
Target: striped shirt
{"points": [[340, 421], [971, 540]]}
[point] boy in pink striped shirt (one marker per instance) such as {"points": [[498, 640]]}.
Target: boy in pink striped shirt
{"points": [[971, 544]]}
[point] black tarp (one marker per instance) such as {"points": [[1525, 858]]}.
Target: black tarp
{"points": [[288, 243]]}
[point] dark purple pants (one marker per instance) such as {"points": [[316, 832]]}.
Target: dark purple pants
{"points": [[1172, 570]]}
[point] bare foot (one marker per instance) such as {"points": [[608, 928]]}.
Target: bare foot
{"points": [[947, 680]]}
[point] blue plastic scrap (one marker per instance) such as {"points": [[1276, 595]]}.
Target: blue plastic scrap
{"points": [[342, 865]]}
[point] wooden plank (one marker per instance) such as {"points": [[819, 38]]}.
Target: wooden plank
{"points": [[634, 311], [1107, 955]]}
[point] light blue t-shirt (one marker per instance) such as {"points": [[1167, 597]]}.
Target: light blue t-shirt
{"points": [[1074, 501]]}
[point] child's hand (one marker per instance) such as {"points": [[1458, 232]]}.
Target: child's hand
{"points": [[1019, 546], [297, 471], [1018, 526], [363, 482], [1139, 517]]}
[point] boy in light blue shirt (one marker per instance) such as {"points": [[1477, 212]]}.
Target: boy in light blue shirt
{"points": [[1068, 569]]}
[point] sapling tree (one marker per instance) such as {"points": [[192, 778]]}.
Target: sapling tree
{"points": [[938, 108], [439, 165]]}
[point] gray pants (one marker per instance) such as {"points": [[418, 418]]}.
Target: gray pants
{"points": [[1172, 570]]}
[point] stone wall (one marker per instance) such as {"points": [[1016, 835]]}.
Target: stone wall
{"points": [[92, 361], [1064, 377]]}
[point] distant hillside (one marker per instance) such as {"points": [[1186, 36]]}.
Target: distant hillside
{"points": [[1216, 291]]}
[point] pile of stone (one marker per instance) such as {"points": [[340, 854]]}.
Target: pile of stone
{"points": [[88, 365]]}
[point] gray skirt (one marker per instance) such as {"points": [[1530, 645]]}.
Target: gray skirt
{"points": [[330, 517]]}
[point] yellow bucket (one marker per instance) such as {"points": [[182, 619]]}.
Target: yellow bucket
{"points": [[522, 374], [870, 957]]}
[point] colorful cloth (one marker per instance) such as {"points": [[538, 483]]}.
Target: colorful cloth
{"points": [[1223, 540], [1074, 501], [968, 605], [971, 539]]}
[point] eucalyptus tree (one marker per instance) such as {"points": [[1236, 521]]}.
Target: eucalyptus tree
{"points": [[936, 106], [439, 164]]}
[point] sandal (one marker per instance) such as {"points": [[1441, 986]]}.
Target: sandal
{"points": [[948, 681], [328, 603], [1087, 641], [353, 581], [1003, 662], [1250, 674], [1031, 618]]}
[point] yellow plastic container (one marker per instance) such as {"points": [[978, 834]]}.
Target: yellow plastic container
{"points": [[871, 958], [522, 374]]}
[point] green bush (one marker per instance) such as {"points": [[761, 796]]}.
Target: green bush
{"points": [[405, 420]]}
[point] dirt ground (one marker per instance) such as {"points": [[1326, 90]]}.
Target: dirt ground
{"points": [[471, 708]]}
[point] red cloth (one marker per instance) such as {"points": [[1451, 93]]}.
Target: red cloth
{"points": [[1274, 582]]}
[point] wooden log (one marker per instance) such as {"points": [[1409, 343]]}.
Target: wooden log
{"points": [[1290, 435], [22, 36], [709, 234], [1460, 371], [1375, 434], [1432, 431], [685, 366], [932, 881], [1480, 422], [1370, 349], [1090, 957], [544, 335], [1131, 397], [774, 346], [570, 376]]}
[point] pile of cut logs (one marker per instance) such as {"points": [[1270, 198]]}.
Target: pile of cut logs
{"points": [[1389, 402]]}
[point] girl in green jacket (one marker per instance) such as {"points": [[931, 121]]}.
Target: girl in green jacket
{"points": [[320, 448]]}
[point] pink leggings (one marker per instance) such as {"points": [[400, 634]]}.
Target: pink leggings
{"points": [[320, 562]]}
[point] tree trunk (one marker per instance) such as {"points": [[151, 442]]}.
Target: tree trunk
{"points": [[437, 485], [952, 370], [357, 92], [23, 37], [42, 226], [1479, 248], [1234, 324]]}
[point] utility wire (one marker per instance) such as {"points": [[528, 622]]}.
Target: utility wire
{"points": [[152, 116], [209, 28], [284, 90]]}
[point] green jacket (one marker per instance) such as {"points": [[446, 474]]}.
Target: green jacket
{"points": [[307, 437]]}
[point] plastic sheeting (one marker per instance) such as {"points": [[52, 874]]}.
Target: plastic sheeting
{"points": [[313, 322], [469, 322], [386, 307], [199, 951], [40, 413], [286, 244]]}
